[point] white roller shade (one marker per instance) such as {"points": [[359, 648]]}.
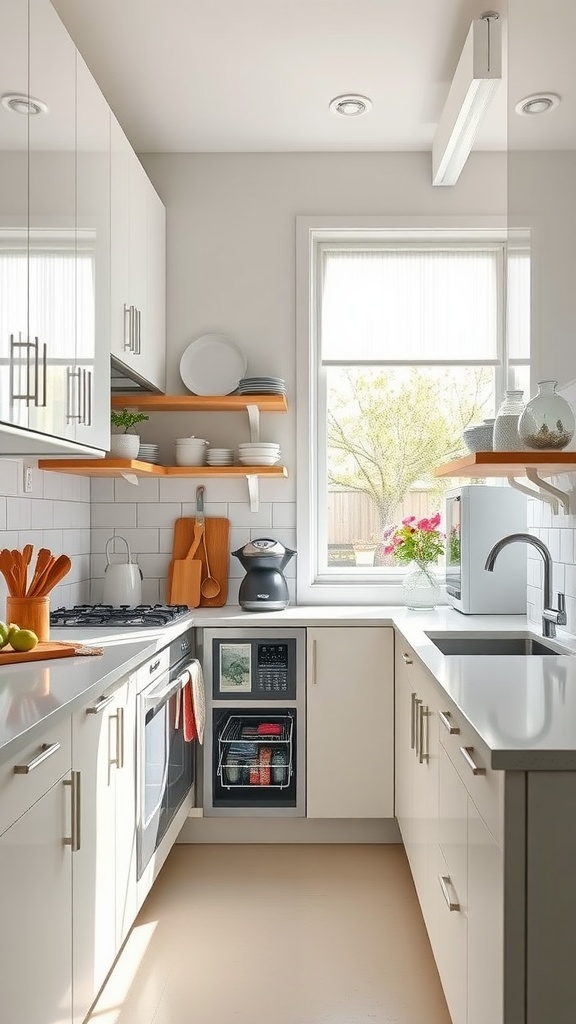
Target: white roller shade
{"points": [[410, 304]]}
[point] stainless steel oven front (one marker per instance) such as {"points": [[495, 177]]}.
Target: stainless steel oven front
{"points": [[254, 760], [165, 760]]}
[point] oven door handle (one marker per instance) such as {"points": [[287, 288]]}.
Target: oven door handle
{"points": [[158, 697]]}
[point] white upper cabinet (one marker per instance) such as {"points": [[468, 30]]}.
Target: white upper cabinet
{"points": [[138, 326], [91, 409], [54, 241], [13, 216]]}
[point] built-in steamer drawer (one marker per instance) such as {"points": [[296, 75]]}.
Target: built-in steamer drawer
{"points": [[254, 758], [484, 785]]}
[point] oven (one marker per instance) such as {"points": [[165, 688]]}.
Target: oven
{"points": [[165, 760], [254, 745]]}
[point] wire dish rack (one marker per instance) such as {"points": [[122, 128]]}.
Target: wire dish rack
{"points": [[270, 765]]}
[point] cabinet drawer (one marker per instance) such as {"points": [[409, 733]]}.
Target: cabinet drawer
{"points": [[485, 786], [47, 759]]}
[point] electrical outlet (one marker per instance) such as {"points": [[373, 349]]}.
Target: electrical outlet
{"points": [[27, 480]]}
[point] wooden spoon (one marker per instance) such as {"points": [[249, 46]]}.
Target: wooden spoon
{"points": [[26, 558], [209, 586], [44, 560], [6, 570], [54, 574]]}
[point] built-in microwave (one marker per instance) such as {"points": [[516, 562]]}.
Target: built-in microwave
{"points": [[476, 517]]}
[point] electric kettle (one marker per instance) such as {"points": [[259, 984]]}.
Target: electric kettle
{"points": [[122, 580], [264, 587]]}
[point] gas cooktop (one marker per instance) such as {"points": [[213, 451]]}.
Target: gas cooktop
{"points": [[124, 615]]}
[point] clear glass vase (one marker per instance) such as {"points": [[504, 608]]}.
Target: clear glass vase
{"points": [[420, 585], [547, 420]]}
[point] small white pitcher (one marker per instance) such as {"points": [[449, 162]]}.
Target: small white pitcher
{"points": [[122, 580]]}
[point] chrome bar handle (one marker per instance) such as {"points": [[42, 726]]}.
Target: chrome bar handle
{"points": [[127, 328], [26, 396], [99, 706], [445, 881], [424, 714], [412, 720], [314, 663], [83, 401], [74, 842], [119, 759], [44, 401], [88, 419], [138, 332], [467, 755], [12, 371], [71, 376], [417, 736], [46, 751], [133, 329], [445, 717]]}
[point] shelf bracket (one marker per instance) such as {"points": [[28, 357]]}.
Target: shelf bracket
{"points": [[253, 492], [254, 421], [130, 478], [546, 491]]}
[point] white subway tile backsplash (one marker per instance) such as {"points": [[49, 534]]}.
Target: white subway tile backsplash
{"points": [[18, 513], [157, 514], [570, 580], [554, 544], [144, 490], [53, 485], [102, 489], [284, 515], [240, 516], [117, 514], [567, 546], [153, 591], [42, 514], [139, 541], [166, 538], [10, 472], [154, 566], [2, 513]]}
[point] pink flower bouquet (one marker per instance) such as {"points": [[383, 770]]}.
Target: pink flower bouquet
{"points": [[415, 540]]}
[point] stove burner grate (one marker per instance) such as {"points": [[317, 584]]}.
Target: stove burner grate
{"points": [[122, 615]]}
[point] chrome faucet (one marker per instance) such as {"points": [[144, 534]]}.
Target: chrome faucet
{"points": [[550, 616]]}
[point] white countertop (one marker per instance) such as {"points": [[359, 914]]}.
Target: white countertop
{"points": [[523, 709]]}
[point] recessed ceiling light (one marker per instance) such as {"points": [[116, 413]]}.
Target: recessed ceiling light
{"points": [[20, 103], [538, 103], [350, 105]]}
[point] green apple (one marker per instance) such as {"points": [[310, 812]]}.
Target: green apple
{"points": [[3, 635], [23, 640]]}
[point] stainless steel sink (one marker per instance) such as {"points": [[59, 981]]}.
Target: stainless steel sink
{"points": [[503, 645]]}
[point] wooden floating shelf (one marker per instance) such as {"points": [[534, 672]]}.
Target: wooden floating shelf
{"points": [[488, 464], [199, 403], [119, 467]]}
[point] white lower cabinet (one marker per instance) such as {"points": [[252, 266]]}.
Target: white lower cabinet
{"points": [[350, 722], [104, 870], [450, 809], [36, 882]]}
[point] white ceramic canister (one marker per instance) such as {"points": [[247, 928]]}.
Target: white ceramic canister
{"points": [[122, 580]]}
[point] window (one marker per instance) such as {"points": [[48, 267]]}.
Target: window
{"points": [[410, 340]]}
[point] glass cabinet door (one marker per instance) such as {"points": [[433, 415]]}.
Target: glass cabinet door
{"points": [[14, 354], [52, 225]]}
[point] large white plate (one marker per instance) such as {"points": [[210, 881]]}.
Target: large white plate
{"points": [[212, 365]]}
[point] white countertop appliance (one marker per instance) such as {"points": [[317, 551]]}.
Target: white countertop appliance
{"points": [[476, 517]]}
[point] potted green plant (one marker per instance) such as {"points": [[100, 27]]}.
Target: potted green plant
{"points": [[124, 445]]}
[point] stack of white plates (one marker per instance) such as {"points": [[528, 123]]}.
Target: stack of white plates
{"points": [[258, 453], [262, 386], [149, 453], [220, 456]]}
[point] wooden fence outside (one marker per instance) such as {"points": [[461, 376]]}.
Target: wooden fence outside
{"points": [[353, 516]]}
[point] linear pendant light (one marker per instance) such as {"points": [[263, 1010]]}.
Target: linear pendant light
{"points": [[474, 84]]}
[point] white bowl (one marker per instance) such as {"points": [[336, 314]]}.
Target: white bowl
{"points": [[190, 458], [259, 444], [259, 460]]}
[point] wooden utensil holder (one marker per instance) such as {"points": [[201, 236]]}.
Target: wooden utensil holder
{"points": [[30, 613]]}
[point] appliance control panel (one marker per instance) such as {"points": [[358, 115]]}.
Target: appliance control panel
{"points": [[248, 669]]}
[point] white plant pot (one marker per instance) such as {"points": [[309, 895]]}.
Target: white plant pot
{"points": [[124, 446]]}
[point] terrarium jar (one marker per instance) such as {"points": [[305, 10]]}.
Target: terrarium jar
{"points": [[506, 434], [421, 587], [547, 420]]}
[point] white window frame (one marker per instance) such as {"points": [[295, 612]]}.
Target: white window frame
{"points": [[311, 232]]}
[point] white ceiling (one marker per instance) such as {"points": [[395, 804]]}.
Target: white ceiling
{"points": [[258, 75]]}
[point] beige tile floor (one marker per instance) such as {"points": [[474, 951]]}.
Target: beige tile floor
{"points": [[277, 935]]}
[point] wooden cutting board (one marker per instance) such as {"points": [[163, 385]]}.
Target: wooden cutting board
{"points": [[217, 536], [49, 649]]}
